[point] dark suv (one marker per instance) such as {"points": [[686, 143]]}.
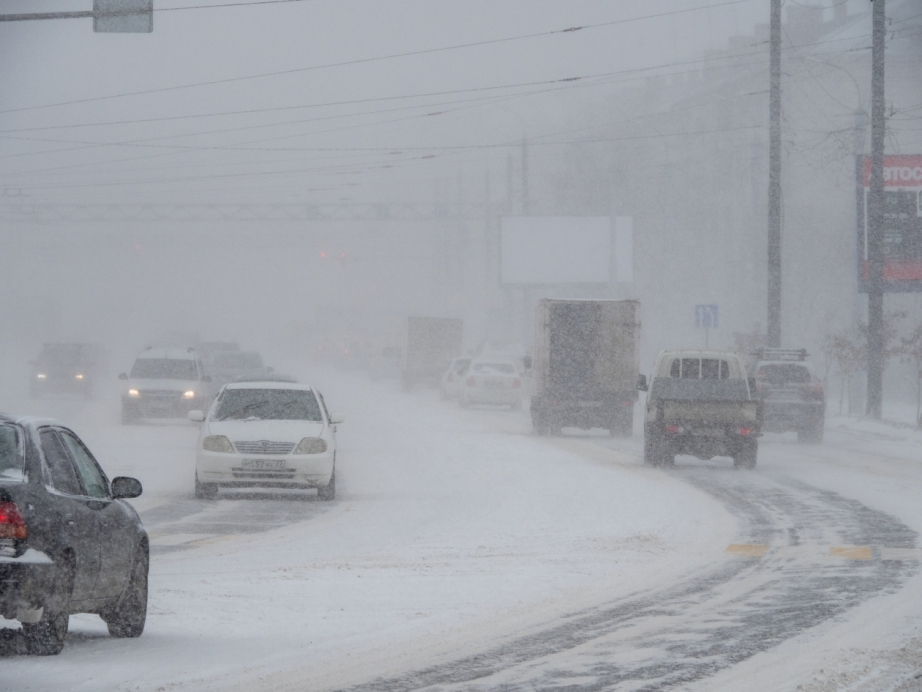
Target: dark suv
{"points": [[792, 394], [65, 369], [69, 543]]}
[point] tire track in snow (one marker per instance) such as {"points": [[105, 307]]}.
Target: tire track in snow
{"points": [[670, 637]]}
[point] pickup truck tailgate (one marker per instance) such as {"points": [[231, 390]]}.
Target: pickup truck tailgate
{"points": [[712, 412]]}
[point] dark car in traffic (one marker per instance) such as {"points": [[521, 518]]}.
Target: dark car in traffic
{"points": [[65, 368], [792, 394], [69, 543]]}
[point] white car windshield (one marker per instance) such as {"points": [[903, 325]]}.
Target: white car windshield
{"points": [[268, 404], [164, 369]]}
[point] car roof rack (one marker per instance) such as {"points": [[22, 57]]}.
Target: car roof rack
{"points": [[792, 354]]}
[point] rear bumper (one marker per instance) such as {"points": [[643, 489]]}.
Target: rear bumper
{"points": [[477, 395], [24, 582], [615, 410], [782, 416]]}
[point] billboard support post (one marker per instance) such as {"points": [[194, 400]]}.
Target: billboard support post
{"points": [[774, 179], [876, 218]]}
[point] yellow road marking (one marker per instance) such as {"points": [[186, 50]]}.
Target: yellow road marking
{"points": [[851, 552], [900, 554], [747, 550]]}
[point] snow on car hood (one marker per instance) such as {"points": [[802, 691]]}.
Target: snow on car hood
{"points": [[273, 430]]}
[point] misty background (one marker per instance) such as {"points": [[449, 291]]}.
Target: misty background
{"points": [[303, 176]]}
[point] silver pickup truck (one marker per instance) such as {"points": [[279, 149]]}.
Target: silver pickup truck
{"points": [[700, 403]]}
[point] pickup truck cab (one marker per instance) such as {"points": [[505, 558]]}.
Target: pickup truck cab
{"points": [[700, 403]]}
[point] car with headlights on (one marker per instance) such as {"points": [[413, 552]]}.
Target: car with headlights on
{"points": [[269, 435], [491, 381], [66, 368], [69, 542], [165, 383]]}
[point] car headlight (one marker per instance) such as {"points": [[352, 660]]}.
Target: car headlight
{"points": [[133, 392], [217, 443], [41, 376], [189, 395], [311, 445], [79, 377]]}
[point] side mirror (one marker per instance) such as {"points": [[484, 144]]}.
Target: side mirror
{"points": [[752, 386], [642, 383], [196, 416], [125, 487], [123, 376], [337, 419]]}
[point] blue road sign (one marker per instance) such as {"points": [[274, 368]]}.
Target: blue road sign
{"points": [[706, 316]]}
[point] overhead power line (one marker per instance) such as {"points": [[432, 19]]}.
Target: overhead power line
{"points": [[361, 61]]}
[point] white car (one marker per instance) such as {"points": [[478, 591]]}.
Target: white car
{"points": [[491, 382], [266, 435], [453, 378], [164, 383]]}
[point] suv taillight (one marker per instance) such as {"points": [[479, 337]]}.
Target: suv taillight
{"points": [[12, 525], [470, 382]]}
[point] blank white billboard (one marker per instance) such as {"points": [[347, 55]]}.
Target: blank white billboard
{"points": [[556, 250]]}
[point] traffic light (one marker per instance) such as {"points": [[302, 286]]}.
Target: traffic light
{"points": [[123, 16]]}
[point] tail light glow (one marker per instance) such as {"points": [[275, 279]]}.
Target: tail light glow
{"points": [[516, 383], [745, 431], [673, 429], [12, 525], [470, 382]]}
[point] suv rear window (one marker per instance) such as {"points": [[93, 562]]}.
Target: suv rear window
{"points": [[780, 374], [10, 456], [164, 369]]}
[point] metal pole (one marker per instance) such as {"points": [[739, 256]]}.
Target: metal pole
{"points": [[524, 176], [774, 179], [876, 217]]}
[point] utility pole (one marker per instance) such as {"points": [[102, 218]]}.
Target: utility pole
{"points": [[524, 176], [876, 216], [774, 178]]}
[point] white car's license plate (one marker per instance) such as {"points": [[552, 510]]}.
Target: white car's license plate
{"points": [[263, 463], [494, 384]]}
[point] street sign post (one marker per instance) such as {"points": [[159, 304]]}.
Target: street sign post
{"points": [[707, 318]]}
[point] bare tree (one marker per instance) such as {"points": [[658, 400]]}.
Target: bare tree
{"points": [[911, 353]]}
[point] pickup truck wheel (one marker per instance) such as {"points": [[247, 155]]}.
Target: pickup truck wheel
{"points": [[746, 457]]}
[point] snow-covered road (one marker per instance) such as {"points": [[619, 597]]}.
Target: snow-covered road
{"points": [[465, 553]]}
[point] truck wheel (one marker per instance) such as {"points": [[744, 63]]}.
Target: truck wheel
{"points": [[205, 491], [621, 424], [813, 434], [746, 457], [656, 451]]}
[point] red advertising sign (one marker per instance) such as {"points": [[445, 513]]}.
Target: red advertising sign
{"points": [[902, 232]]}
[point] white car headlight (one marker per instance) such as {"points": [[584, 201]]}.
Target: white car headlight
{"points": [[189, 395], [311, 445], [132, 392], [41, 376], [217, 443]]}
